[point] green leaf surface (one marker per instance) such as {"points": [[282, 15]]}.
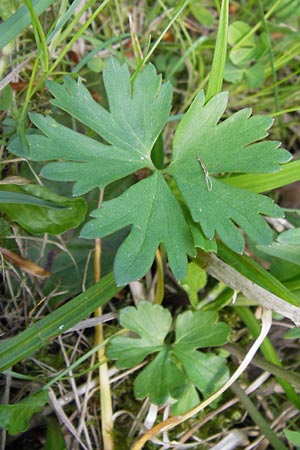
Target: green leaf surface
{"points": [[20, 20], [195, 160], [27, 342], [293, 333], [23, 199], [206, 371], [205, 149], [54, 435], [163, 378], [290, 237], [253, 271], [265, 182], [160, 380], [131, 109], [188, 399], [292, 436], [194, 280], [151, 322], [15, 418], [288, 252], [38, 217], [199, 329], [156, 217], [238, 30]]}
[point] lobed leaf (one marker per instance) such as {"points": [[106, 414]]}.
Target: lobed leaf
{"points": [[151, 322], [155, 217], [203, 148], [136, 114], [199, 329], [15, 418]]}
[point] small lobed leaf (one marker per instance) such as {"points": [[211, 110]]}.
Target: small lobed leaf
{"points": [[151, 322], [194, 280], [170, 374], [15, 418], [199, 329], [155, 217]]}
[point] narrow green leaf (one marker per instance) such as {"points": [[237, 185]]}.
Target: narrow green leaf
{"points": [[57, 322], [23, 199], [219, 59], [20, 20], [15, 418], [253, 271], [288, 252], [289, 173], [42, 211]]}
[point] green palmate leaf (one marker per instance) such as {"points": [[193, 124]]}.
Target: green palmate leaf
{"points": [[15, 418], [203, 149], [163, 378], [37, 216], [203, 330], [160, 380], [156, 217], [151, 322]]}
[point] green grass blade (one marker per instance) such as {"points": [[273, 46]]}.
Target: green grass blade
{"points": [[14, 197], [38, 334], [218, 64], [253, 271], [263, 182], [20, 20]]}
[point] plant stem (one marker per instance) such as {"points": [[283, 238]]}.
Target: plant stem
{"points": [[160, 287], [258, 418], [105, 393]]}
